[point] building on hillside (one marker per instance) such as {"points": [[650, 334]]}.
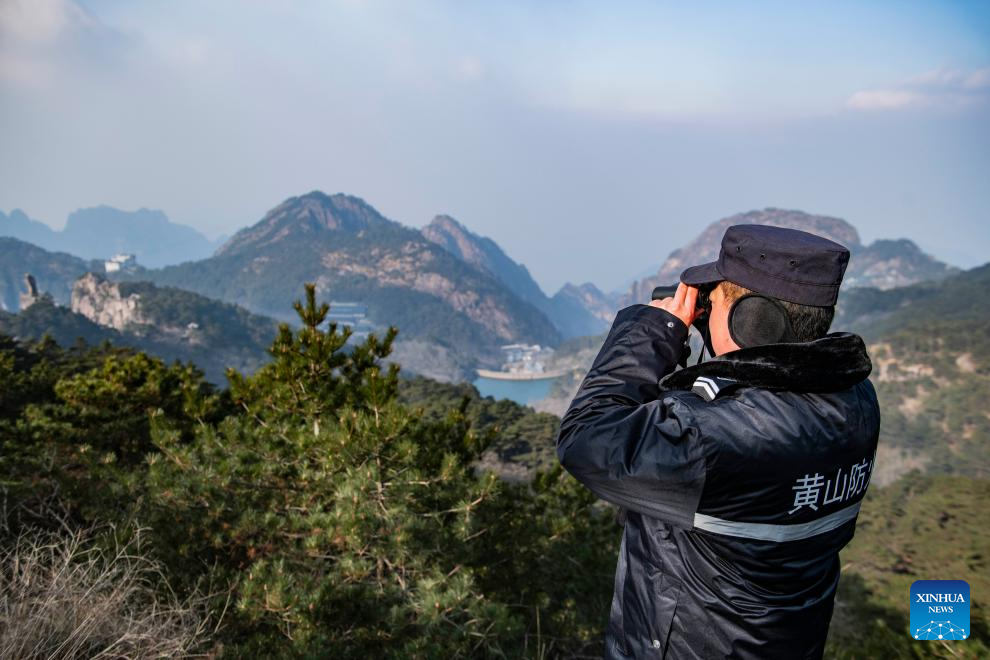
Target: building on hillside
{"points": [[353, 314], [120, 263], [525, 358]]}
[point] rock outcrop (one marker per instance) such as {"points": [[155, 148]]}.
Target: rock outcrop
{"points": [[102, 303], [30, 295]]}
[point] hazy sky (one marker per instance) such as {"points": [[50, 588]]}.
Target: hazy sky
{"points": [[587, 139]]}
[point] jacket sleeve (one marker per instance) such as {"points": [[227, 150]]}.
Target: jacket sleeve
{"points": [[619, 439]]}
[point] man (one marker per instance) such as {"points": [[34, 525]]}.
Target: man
{"points": [[740, 477]]}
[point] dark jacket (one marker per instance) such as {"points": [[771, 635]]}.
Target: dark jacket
{"points": [[741, 478]]}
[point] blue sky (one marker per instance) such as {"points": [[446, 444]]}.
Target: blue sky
{"points": [[588, 139]]}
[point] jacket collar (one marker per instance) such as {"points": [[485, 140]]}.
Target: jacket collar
{"points": [[833, 363]]}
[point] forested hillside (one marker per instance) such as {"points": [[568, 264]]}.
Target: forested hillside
{"points": [[165, 322], [930, 344]]}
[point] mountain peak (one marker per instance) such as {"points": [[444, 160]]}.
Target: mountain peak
{"points": [[311, 214], [467, 246], [19, 225], [586, 288], [830, 227], [449, 223], [20, 216]]}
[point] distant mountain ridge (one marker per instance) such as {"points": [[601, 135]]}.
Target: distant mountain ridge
{"points": [[573, 309], [18, 225], [353, 253], [455, 295], [102, 231], [882, 264]]}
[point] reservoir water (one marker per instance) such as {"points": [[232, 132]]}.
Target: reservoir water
{"points": [[520, 391]]}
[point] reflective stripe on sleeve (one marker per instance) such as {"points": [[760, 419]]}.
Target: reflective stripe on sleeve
{"points": [[769, 532]]}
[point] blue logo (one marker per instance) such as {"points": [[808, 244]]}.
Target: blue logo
{"points": [[940, 609]]}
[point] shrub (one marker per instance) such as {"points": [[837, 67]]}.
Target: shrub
{"points": [[64, 596]]}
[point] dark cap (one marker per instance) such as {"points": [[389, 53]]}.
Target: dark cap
{"points": [[787, 264]]}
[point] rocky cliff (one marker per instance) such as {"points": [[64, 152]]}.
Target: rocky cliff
{"points": [[31, 294], [103, 303]]}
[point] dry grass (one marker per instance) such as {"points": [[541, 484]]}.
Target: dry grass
{"points": [[62, 596]]}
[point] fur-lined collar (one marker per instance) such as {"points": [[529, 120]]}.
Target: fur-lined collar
{"points": [[835, 362]]}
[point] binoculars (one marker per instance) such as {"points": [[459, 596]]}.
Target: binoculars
{"points": [[704, 304]]}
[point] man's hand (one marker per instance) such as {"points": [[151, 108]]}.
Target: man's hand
{"points": [[682, 305]]}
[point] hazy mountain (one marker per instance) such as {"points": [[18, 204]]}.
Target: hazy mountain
{"points": [[580, 310], [573, 310], [54, 271], [103, 231], [355, 254], [19, 225], [882, 264], [100, 232]]}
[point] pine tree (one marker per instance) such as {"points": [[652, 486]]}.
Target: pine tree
{"points": [[335, 515], [316, 373]]}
